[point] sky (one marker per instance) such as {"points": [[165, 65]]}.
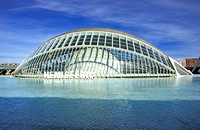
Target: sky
{"points": [[173, 26]]}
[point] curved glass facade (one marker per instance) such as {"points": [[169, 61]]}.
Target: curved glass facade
{"points": [[103, 52]]}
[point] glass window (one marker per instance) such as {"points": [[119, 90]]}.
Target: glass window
{"points": [[88, 37], [135, 57], [127, 56], [119, 55], [116, 55], [62, 41], [82, 36], [95, 38], [140, 64], [75, 37], [163, 59], [123, 55], [151, 53], [132, 56], [56, 43], [130, 44], [112, 51], [50, 45], [147, 65], [157, 56], [68, 41], [116, 41], [136, 63], [154, 67], [158, 68], [123, 42], [102, 39], [144, 49], [137, 47], [169, 63], [63, 52], [69, 52], [151, 69], [109, 40], [143, 64]]}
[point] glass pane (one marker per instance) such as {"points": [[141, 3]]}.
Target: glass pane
{"points": [[95, 39], [82, 36], [144, 50], [62, 41], [116, 41], [74, 40], [130, 44], [87, 40], [109, 40], [151, 53], [68, 41], [157, 56], [137, 47], [123, 42], [102, 39]]}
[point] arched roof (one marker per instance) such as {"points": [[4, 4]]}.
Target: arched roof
{"points": [[111, 31]]}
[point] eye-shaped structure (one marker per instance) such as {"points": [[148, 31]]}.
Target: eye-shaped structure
{"points": [[104, 52]]}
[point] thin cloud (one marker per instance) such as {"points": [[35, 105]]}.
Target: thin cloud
{"points": [[182, 5], [127, 15], [156, 21]]}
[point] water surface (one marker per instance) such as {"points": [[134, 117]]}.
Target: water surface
{"points": [[152, 103]]}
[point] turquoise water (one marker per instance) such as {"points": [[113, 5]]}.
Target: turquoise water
{"points": [[152, 103]]}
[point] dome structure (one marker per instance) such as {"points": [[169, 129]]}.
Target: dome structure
{"points": [[96, 53]]}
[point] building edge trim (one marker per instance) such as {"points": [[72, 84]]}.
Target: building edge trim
{"points": [[174, 61]]}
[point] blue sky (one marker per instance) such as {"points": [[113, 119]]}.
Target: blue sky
{"points": [[173, 26]]}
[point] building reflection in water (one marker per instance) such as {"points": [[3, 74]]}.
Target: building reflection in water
{"points": [[125, 88]]}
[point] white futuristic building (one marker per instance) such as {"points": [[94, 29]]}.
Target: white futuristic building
{"points": [[96, 53]]}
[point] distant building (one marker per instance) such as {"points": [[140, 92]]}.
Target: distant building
{"points": [[191, 62], [188, 62], [10, 64]]}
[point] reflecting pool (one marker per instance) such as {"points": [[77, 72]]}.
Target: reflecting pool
{"points": [[149, 103]]}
